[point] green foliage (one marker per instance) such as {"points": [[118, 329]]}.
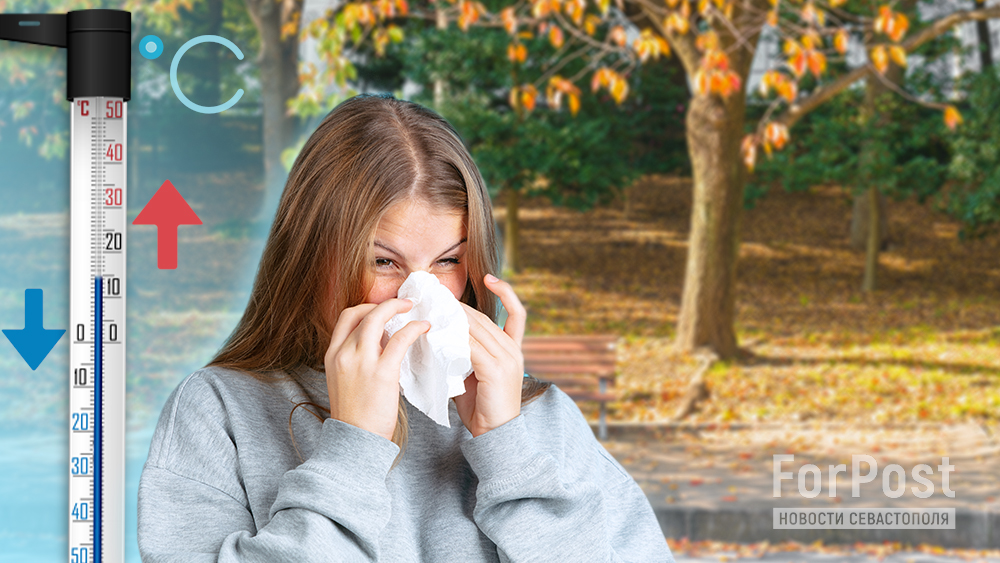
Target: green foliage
{"points": [[913, 155], [907, 157], [575, 161], [33, 96], [904, 157], [655, 111], [973, 194]]}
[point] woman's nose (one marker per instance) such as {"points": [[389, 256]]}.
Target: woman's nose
{"points": [[411, 270], [427, 269]]}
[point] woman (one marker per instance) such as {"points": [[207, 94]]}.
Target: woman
{"points": [[240, 469]]}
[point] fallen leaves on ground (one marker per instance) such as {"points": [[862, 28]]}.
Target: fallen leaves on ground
{"points": [[735, 551], [924, 347], [935, 380]]}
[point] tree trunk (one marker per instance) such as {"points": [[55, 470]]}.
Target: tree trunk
{"points": [[208, 89], [985, 46], [279, 77], [626, 202], [873, 224], [875, 230], [439, 82], [860, 220], [714, 132], [511, 241], [871, 253]]}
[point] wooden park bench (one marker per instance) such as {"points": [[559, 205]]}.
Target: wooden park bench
{"points": [[582, 366]]}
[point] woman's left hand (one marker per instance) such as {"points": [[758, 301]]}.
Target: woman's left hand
{"points": [[493, 391]]}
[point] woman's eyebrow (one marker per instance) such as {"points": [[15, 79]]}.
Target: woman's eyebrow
{"points": [[388, 248], [454, 246], [396, 252]]}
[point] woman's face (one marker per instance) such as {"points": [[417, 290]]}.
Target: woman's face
{"points": [[414, 236]]}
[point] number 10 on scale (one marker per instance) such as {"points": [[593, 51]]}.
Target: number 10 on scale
{"points": [[97, 320]]}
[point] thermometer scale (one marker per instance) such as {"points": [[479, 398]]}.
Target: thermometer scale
{"points": [[98, 61], [97, 321]]}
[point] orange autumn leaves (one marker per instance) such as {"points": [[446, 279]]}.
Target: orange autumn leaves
{"points": [[560, 22], [647, 45], [893, 25], [525, 96], [805, 55], [714, 75]]}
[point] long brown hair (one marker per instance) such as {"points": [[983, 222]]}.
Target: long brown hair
{"points": [[368, 154]]}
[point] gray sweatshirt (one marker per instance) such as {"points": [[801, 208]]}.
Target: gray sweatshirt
{"points": [[223, 482]]}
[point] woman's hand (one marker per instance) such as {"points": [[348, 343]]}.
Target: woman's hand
{"points": [[362, 377], [493, 391]]}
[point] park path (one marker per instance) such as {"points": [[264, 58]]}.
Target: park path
{"points": [[718, 484]]}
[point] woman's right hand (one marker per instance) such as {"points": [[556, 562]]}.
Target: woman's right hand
{"points": [[361, 376]]}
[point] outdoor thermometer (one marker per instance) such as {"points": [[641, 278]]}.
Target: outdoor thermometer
{"points": [[98, 59]]}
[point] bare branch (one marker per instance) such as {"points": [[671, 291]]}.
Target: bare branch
{"points": [[741, 40], [651, 10], [605, 48], [896, 88], [583, 37]]}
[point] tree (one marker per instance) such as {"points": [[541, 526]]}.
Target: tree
{"points": [[984, 44], [903, 152], [277, 22], [973, 188], [706, 315], [277, 26], [873, 199], [715, 42], [905, 156]]}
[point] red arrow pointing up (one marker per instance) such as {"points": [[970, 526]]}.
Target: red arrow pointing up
{"points": [[166, 210]]}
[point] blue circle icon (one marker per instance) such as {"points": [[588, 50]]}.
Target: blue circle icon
{"points": [[151, 47], [177, 59]]}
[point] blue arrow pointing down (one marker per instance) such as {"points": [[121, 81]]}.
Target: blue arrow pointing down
{"points": [[33, 342]]}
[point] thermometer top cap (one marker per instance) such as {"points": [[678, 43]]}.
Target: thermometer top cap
{"points": [[99, 54], [98, 47]]}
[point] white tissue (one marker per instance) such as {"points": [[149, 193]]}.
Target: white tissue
{"points": [[436, 365]]}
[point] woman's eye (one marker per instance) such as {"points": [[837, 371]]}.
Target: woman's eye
{"points": [[384, 263]]}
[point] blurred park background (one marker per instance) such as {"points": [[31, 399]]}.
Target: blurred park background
{"points": [[848, 284]]}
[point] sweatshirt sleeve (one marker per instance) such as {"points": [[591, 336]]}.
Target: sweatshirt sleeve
{"points": [[192, 506], [569, 498]]}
